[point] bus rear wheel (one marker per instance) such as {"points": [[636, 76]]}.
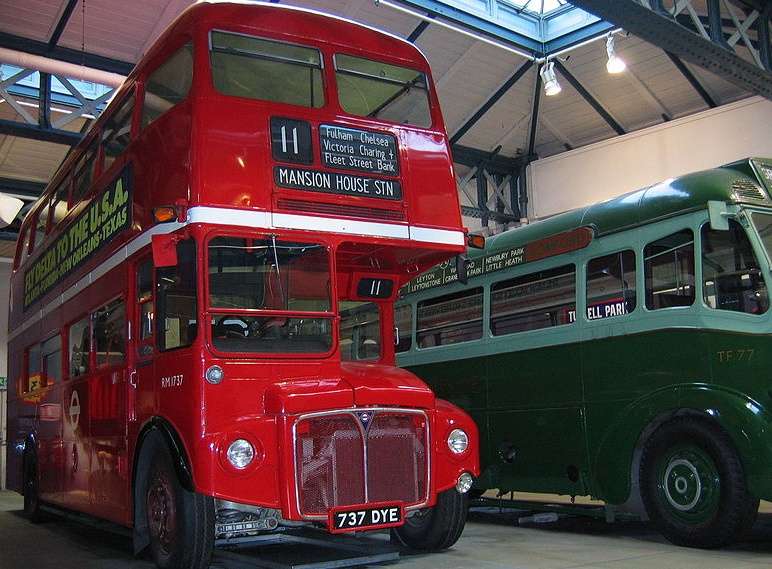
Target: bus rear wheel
{"points": [[437, 528], [693, 485], [180, 522], [31, 489]]}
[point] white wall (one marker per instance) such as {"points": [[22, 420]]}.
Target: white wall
{"points": [[5, 279], [601, 171]]}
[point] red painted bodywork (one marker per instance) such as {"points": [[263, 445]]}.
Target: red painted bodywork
{"points": [[213, 150]]}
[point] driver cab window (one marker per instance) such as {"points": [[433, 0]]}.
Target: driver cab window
{"points": [[360, 331], [732, 278]]}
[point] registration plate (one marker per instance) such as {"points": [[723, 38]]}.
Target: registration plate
{"points": [[372, 517]]}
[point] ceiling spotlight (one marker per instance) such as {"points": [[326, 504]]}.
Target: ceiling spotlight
{"points": [[551, 85], [615, 64]]}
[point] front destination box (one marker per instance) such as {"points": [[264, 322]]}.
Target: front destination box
{"points": [[362, 150], [336, 183]]}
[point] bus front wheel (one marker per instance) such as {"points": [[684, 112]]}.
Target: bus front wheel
{"points": [[693, 485], [180, 522], [437, 528]]}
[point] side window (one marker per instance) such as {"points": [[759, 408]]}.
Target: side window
{"points": [[668, 267], [52, 359], [450, 319], [116, 134], [176, 294], [80, 346], [145, 299], [168, 85], [403, 320], [110, 333], [611, 285], [732, 278], [21, 246], [34, 376], [531, 302], [61, 199], [360, 331], [84, 174], [41, 223]]}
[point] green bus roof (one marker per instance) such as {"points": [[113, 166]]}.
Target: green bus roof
{"points": [[738, 182]]}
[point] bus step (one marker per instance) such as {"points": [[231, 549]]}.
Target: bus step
{"points": [[319, 551]]}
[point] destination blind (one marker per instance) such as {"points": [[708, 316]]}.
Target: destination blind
{"points": [[445, 273], [336, 183], [361, 150]]}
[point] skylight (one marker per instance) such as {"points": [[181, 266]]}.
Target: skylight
{"points": [[539, 7]]}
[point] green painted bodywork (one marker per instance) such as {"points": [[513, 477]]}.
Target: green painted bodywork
{"points": [[575, 402]]}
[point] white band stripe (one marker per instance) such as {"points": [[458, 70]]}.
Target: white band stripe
{"points": [[252, 219]]}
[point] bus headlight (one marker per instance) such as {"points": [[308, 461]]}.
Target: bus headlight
{"points": [[464, 483], [240, 453], [214, 374], [458, 441]]}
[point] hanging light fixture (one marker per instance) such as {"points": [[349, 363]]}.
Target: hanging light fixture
{"points": [[551, 85], [615, 64]]}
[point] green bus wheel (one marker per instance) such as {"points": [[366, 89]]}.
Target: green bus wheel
{"points": [[693, 484]]}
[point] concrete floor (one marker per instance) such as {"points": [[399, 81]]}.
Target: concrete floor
{"points": [[489, 542]]}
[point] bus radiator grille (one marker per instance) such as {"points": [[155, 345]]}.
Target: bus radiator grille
{"points": [[330, 455]]}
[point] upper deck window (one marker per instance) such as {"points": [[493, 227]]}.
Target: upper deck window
{"points": [[254, 68], [378, 90], [732, 278], [168, 85], [117, 132], [267, 296]]}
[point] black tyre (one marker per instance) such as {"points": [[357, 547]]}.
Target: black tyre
{"points": [[693, 485], [31, 489], [180, 522], [437, 528]]}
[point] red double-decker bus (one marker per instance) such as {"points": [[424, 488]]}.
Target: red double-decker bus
{"points": [[202, 339]]}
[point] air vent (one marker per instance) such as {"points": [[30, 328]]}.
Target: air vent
{"points": [[340, 210], [747, 190]]}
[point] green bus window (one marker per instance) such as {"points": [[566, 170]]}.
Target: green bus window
{"points": [[450, 319], [763, 223], [110, 333], [668, 266], [360, 331], [611, 285], [52, 359], [80, 346], [403, 320], [176, 296], [168, 85], [378, 90], [254, 68], [732, 278], [117, 132], [531, 302]]}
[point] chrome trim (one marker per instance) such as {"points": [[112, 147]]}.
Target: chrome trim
{"points": [[353, 412]]}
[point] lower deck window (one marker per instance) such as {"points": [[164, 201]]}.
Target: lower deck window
{"points": [[668, 265], [531, 302], [360, 331], [611, 285], [450, 319], [235, 333]]}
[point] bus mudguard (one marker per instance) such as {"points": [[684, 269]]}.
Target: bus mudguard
{"points": [[745, 420]]}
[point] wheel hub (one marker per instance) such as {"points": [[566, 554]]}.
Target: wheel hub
{"points": [[161, 512], [682, 484]]}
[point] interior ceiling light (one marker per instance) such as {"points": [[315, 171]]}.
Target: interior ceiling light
{"points": [[551, 85], [615, 64]]}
